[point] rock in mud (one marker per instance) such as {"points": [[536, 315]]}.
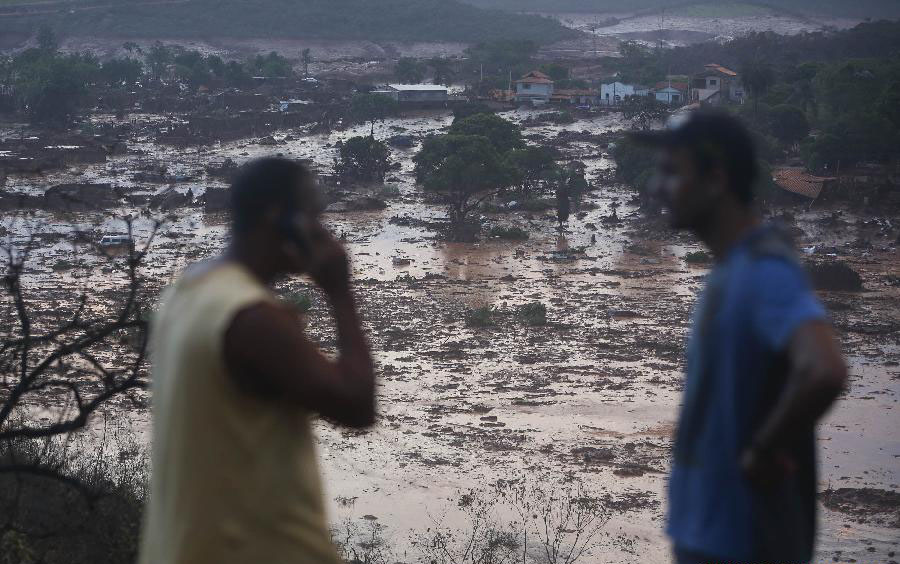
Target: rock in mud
{"points": [[361, 203], [81, 197], [834, 276], [18, 201], [402, 141], [170, 199], [865, 504]]}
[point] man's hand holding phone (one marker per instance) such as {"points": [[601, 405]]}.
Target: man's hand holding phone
{"points": [[329, 266]]}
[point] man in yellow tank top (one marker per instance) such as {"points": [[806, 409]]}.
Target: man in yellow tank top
{"points": [[235, 381]]}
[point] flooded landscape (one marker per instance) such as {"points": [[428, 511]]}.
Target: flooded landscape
{"points": [[591, 395], [529, 359]]}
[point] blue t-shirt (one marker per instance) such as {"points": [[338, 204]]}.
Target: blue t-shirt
{"points": [[753, 302]]}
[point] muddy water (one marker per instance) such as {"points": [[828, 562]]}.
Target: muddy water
{"points": [[592, 394]]}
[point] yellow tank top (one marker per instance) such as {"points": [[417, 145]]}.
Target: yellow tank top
{"points": [[234, 478]]}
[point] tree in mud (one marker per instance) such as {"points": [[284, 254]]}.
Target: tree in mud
{"points": [[125, 71], [467, 169], [51, 86], [576, 183], [563, 205], [533, 167], [503, 134], [363, 158], [644, 111], [372, 108], [634, 166], [409, 71], [272, 65], [159, 58], [62, 362]]}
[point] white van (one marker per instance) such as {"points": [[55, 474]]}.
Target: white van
{"points": [[115, 241]]}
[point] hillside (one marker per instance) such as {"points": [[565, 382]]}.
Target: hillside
{"points": [[396, 20], [837, 8]]}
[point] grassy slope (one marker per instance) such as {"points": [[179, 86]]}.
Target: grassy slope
{"points": [[402, 20], [839, 8]]}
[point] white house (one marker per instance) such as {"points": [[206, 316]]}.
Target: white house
{"points": [[614, 93], [535, 87], [669, 95], [672, 93]]}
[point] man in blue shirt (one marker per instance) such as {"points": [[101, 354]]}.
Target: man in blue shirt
{"points": [[763, 364]]}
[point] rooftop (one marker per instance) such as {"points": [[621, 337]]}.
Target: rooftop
{"points": [[715, 67], [535, 77], [418, 87], [800, 182]]}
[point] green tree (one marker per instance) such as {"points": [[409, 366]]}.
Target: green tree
{"points": [[530, 166], [846, 87], [503, 134], [788, 123], [757, 78], [216, 65], [576, 183], [409, 71], [363, 158], [272, 65], [466, 168], [644, 111], [53, 87], [442, 69], [235, 74], [121, 71], [159, 58], [372, 108]]}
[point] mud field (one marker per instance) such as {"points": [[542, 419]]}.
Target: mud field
{"points": [[589, 396], [686, 25]]}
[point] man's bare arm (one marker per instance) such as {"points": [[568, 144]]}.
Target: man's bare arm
{"points": [[267, 352], [817, 376]]}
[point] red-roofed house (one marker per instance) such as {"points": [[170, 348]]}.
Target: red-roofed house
{"points": [[535, 87], [716, 85]]}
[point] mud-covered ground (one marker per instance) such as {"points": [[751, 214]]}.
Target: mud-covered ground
{"points": [[693, 24], [590, 396]]}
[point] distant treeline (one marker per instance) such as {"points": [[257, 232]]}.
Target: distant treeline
{"points": [[397, 20], [837, 8]]}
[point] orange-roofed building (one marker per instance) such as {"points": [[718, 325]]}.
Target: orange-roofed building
{"points": [[717, 85]]}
